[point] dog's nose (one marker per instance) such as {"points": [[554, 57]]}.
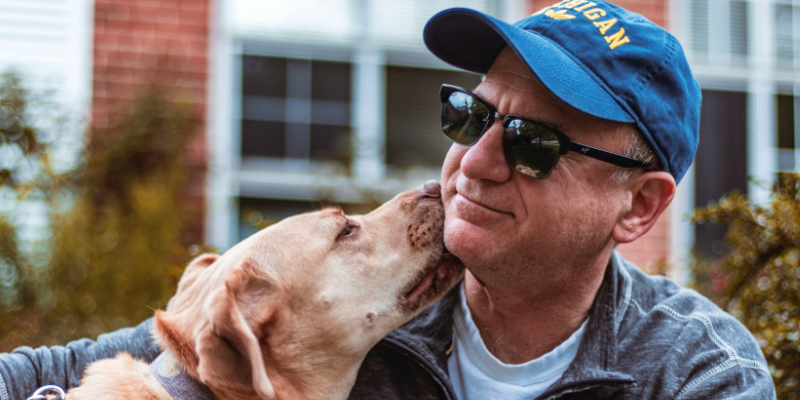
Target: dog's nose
{"points": [[431, 189]]}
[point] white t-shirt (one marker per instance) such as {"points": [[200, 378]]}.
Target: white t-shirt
{"points": [[479, 375]]}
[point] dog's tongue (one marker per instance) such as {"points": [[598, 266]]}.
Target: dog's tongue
{"points": [[421, 287]]}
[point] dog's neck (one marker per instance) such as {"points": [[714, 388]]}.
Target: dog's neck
{"points": [[174, 377], [329, 383]]}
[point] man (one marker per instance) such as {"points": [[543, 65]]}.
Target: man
{"points": [[534, 209]]}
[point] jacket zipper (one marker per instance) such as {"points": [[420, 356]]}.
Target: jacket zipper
{"points": [[451, 393], [552, 391], [443, 381]]}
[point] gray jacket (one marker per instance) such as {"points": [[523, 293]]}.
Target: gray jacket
{"points": [[647, 338]]}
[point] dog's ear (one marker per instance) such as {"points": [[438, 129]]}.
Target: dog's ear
{"points": [[228, 348], [190, 274]]}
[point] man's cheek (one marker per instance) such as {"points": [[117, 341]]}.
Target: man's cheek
{"points": [[452, 162]]}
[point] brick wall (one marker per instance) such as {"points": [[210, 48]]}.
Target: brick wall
{"points": [[654, 245], [140, 42], [654, 10]]}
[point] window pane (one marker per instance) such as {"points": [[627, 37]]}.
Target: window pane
{"points": [[414, 114], [330, 112], [720, 164], [699, 27], [263, 138], [330, 143], [264, 76], [785, 121], [739, 32], [263, 108], [784, 32], [330, 81]]}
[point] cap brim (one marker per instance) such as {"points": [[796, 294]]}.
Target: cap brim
{"points": [[471, 40]]}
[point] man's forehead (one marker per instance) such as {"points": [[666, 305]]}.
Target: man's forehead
{"points": [[509, 67], [513, 89], [508, 75]]}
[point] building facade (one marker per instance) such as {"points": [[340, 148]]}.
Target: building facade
{"points": [[335, 101]]}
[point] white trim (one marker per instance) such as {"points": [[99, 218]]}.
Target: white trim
{"points": [[639, 309], [79, 66], [720, 368], [512, 10], [761, 138], [681, 230], [220, 135], [734, 358], [3, 391], [369, 115], [796, 94], [762, 158], [708, 374], [719, 43], [678, 15]]}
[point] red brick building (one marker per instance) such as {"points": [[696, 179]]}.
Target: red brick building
{"points": [[138, 43], [653, 246], [281, 85]]}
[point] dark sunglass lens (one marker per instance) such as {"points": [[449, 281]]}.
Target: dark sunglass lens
{"points": [[534, 147], [463, 118]]}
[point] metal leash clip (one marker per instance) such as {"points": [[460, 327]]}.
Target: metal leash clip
{"points": [[49, 392]]}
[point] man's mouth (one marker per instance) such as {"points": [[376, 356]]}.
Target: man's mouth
{"points": [[433, 280], [475, 203]]}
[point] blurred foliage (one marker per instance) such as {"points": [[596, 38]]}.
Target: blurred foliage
{"points": [[757, 280], [115, 253], [660, 267], [367, 202]]}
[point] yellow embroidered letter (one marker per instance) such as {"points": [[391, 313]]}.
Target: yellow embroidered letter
{"points": [[572, 3], [597, 14], [585, 6], [604, 25], [615, 39]]}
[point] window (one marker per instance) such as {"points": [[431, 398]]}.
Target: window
{"points": [[718, 32], [297, 109], [785, 124], [720, 163], [413, 115], [784, 36]]}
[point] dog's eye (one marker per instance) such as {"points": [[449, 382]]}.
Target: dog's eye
{"points": [[348, 230]]}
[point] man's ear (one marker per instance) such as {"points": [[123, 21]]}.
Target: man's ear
{"points": [[228, 345], [651, 194]]}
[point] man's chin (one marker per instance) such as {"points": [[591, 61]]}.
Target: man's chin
{"points": [[469, 242], [469, 276]]}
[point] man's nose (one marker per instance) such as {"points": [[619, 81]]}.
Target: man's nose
{"points": [[431, 189], [485, 159]]}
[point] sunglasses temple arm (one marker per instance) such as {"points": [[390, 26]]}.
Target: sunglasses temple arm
{"points": [[607, 156]]}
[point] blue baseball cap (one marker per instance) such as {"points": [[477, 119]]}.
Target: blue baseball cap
{"points": [[598, 58]]}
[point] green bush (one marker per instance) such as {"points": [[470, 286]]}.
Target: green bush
{"points": [[757, 279], [115, 252]]}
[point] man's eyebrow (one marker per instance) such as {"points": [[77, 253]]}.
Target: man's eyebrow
{"points": [[556, 126]]}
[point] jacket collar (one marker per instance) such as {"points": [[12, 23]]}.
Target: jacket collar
{"points": [[597, 355], [430, 334]]}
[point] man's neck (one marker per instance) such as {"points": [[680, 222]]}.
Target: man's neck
{"points": [[524, 324]]}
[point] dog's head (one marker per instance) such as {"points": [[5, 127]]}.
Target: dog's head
{"points": [[301, 302]]}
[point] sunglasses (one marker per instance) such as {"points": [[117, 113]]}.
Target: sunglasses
{"points": [[530, 147]]}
